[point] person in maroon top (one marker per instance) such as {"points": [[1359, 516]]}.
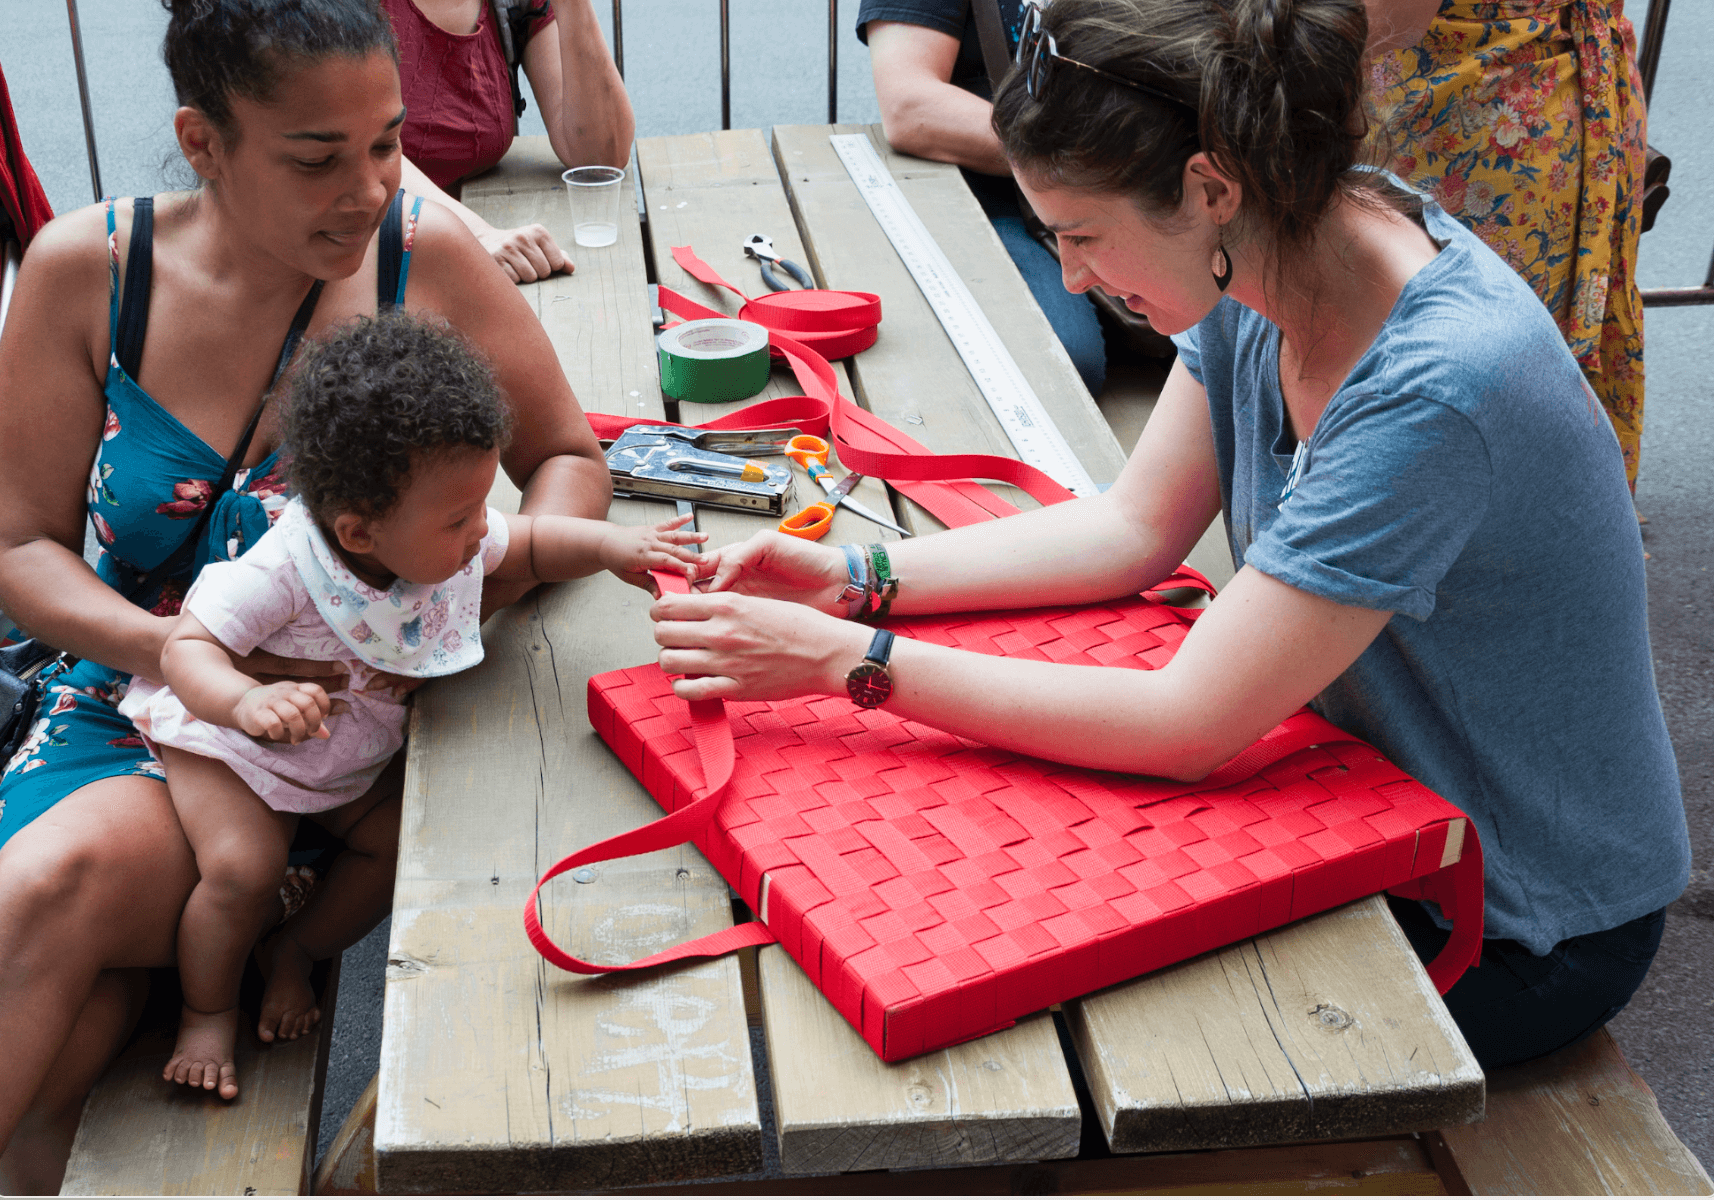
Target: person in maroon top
{"points": [[458, 97]]}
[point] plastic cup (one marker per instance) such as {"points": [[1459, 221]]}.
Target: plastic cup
{"points": [[594, 194]]}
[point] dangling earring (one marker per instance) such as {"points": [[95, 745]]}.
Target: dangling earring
{"points": [[1221, 268]]}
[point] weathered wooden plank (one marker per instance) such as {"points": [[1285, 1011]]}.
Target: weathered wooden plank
{"points": [[1576, 1123], [348, 1167], [710, 191], [499, 1072], [1378, 1167], [1327, 1028], [840, 1107], [143, 1136], [1003, 1098], [598, 316], [913, 376]]}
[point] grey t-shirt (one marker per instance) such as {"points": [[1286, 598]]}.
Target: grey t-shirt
{"points": [[1465, 478]]}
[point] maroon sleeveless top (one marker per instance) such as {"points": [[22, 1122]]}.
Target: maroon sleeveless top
{"points": [[458, 97]]}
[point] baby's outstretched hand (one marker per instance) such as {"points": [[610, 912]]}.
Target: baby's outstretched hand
{"points": [[632, 551], [287, 711]]}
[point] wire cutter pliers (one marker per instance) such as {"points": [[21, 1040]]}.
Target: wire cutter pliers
{"points": [[760, 247]]}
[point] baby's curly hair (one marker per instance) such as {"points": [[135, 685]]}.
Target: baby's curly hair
{"points": [[376, 392]]}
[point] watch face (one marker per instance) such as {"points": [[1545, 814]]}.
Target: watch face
{"points": [[869, 685]]}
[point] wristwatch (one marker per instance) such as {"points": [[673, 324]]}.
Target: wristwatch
{"points": [[868, 683]]}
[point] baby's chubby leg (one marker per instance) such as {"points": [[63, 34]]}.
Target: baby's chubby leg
{"points": [[355, 896], [240, 845]]}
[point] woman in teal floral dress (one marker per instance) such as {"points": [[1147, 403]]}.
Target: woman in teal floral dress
{"points": [[138, 343]]}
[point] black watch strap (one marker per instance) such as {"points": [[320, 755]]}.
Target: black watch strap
{"points": [[880, 647]]}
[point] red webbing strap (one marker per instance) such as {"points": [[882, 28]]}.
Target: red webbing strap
{"points": [[837, 324], [714, 747], [1457, 889], [942, 483]]}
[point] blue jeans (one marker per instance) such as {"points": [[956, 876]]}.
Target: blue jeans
{"points": [[1073, 317], [1513, 1005]]}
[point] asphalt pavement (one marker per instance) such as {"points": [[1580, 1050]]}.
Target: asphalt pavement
{"points": [[779, 63]]}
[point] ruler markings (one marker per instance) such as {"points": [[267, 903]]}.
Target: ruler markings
{"points": [[1019, 410]]}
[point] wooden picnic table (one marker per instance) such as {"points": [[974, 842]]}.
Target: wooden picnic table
{"points": [[499, 1073]]}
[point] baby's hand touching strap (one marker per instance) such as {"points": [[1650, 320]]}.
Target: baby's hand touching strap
{"points": [[632, 551], [286, 712]]}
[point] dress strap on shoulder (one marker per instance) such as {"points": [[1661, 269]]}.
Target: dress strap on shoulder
{"points": [[405, 260], [131, 324], [112, 282], [394, 267], [389, 266]]}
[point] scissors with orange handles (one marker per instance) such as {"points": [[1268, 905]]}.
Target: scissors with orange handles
{"points": [[810, 453]]}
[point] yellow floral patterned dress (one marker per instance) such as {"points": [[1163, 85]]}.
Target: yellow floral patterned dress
{"points": [[1525, 119]]}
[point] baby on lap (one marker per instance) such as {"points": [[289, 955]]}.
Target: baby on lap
{"points": [[394, 429]]}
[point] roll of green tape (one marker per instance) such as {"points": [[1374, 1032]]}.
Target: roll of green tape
{"points": [[714, 360]]}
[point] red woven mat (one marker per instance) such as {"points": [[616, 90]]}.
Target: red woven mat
{"points": [[937, 889]]}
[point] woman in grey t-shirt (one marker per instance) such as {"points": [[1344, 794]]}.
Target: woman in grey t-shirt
{"points": [[1436, 541]]}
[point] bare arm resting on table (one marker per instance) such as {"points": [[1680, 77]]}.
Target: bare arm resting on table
{"points": [[1261, 651], [583, 101], [922, 111], [526, 254]]}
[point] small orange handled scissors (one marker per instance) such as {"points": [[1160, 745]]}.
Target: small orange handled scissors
{"points": [[810, 453], [814, 521]]}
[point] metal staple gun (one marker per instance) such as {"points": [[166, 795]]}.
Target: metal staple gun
{"points": [[705, 466]]}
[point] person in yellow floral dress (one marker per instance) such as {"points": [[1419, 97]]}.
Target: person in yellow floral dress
{"points": [[1525, 119]]}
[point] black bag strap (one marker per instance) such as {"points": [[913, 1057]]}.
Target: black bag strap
{"points": [[175, 561], [139, 276], [992, 36], [512, 22]]}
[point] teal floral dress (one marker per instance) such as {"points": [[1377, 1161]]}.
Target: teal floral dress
{"points": [[151, 479]]}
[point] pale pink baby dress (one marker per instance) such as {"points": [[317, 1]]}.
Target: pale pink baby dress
{"points": [[292, 595]]}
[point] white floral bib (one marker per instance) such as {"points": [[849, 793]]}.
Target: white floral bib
{"points": [[415, 629]]}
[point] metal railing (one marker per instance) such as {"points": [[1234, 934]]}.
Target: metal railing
{"points": [[618, 61], [725, 57], [83, 95], [1648, 62]]}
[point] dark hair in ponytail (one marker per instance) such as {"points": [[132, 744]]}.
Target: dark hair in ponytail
{"points": [[1272, 90], [217, 49]]}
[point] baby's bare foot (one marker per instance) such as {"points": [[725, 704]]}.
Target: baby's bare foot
{"points": [[288, 1003], [203, 1056]]}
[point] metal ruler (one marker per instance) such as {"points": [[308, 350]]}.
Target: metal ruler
{"points": [[1034, 435]]}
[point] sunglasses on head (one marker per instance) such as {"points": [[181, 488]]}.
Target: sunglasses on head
{"points": [[1038, 53]]}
